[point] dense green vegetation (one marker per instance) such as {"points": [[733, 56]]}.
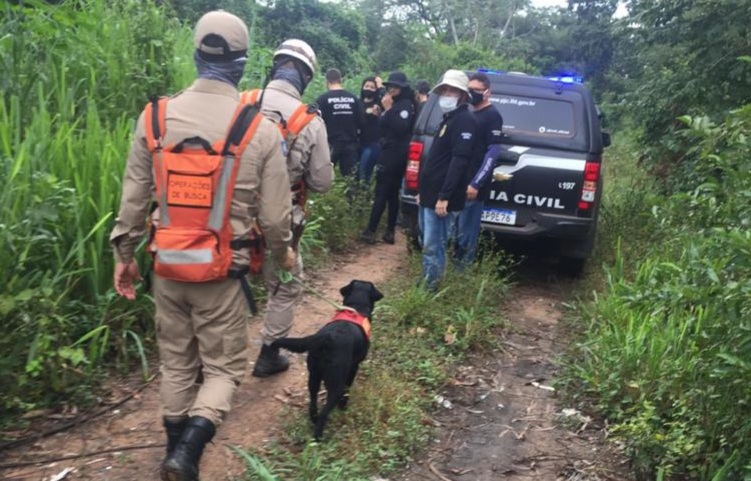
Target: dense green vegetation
{"points": [[666, 349]]}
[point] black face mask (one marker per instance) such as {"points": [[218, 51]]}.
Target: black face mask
{"points": [[367, 95], [475, 97]]}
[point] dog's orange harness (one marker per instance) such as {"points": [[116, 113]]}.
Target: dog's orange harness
{"points": [[355, 318]]}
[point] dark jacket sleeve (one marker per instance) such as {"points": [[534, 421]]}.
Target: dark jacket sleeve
{"points": [[462, 144], [493, 135], [398, 120]]}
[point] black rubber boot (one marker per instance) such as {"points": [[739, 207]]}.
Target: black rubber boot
{"points": [[174, 428], [368, 237], [182, 464], [388, 237], [270, 362]]}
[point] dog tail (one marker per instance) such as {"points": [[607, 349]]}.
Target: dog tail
{"points": [[301, 344]]}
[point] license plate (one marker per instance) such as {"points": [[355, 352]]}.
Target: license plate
{"points": [[497, 216]]}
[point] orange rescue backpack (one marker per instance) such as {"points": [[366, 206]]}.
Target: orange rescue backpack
{"points": [[195, 181]]}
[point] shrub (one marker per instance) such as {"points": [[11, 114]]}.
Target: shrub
{"points": [[666, 352]]}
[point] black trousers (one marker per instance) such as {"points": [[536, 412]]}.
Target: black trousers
{"points": [[345, 156], [386, 193]]}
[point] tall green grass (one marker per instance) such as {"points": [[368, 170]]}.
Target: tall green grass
{"points": [[666, 353], [74, 77]]}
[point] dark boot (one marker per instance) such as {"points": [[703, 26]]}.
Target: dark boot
{"points": [[182, 464], [368, 237], [174, 428], [388, 237], [270, 362]]}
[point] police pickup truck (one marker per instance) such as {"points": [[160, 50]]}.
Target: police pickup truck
{"points": [[547, 182]]}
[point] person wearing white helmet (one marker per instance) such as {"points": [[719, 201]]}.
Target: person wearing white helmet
{"points": [[201, 308], [310, 169], [445, 173]]}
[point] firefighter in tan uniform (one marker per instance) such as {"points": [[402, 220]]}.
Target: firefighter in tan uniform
{"points": [[214, 167], [309, 166]]}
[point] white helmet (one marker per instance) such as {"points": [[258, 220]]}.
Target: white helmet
{"points": [[300, 50]]}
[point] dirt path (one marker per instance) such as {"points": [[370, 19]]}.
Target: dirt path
{"points": [[505, 422], [255, 413]]}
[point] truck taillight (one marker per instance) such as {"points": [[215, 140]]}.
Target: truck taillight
{"points": [[413, 165], [589, 186]]}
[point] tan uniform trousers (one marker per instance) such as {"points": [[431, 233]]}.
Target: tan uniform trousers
{"points": [[200, 324], [280, 306]]}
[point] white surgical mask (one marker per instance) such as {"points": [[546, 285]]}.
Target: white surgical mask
{"points": [[447, 103]]}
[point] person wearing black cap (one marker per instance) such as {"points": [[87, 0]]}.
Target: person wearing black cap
{"points": [[396, 131], [343, 114], [421, 96]]}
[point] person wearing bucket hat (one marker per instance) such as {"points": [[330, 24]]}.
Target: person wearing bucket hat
{"points": [[396, 131], [201, 308], [445, 173]]}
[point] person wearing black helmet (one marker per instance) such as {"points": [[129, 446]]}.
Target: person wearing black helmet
{"points": [[396, 131]]}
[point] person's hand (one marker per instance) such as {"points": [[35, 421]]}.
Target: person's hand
{"points": [[290, 260], [441, 208], [379, 82], [417, 199], [471, 193], [387, 102], [125, 274], [376, 109]]}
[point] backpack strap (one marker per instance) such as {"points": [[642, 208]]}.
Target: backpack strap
{"points": [[301, 117], [154, 122], [250, 97], [243, 128]]}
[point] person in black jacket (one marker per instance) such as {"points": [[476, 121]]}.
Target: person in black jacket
{"points": [[445, 174], [343, 114], [396, 131], [489, 138], [370, 133]]}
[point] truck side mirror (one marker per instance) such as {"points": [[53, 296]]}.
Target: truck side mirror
{"points": [[606, 139]]}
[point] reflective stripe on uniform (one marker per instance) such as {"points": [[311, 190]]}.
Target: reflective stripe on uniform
{"points": [[187, 256], [164, 217], [216, 217]]}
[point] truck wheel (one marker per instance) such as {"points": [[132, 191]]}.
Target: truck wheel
{"points": [[571, 267]]}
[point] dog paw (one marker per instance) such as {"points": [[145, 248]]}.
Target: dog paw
{"points": [[342, 404]]}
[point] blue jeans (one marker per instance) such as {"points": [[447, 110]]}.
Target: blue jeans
{"points": [[435, 238], [368, 156], [466, 233]]}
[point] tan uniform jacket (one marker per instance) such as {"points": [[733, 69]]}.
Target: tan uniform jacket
{"points": [[309, 157], [262, 192]]}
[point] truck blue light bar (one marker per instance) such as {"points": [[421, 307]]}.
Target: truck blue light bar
{"points": [[567, 79]]}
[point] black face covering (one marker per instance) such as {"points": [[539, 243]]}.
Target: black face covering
{"points": [[367, 95], [475, 97]]}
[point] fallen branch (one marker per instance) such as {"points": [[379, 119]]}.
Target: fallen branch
{"points": [[438, 474], [82, 455], [36, 437]]}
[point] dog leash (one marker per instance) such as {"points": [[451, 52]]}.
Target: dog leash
{"points": [[289, 277]]}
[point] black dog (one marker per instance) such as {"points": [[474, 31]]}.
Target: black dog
{"points": [[336, 350]]}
